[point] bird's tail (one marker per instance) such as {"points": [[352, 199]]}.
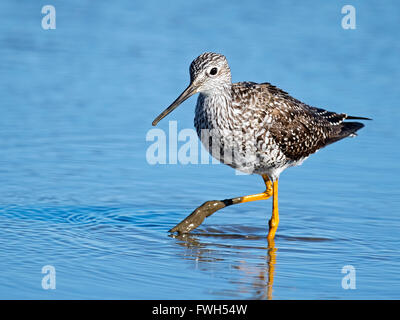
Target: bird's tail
{"points": [[347, 129], [350, 129]]}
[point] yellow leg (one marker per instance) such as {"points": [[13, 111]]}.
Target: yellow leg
{"points": [[208, 208], [274, 222], [259, 196]]}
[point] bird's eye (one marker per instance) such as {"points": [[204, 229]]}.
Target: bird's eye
{"points": [[213, 71]]}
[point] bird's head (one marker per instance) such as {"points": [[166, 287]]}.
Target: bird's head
{"points": [[209, 72]]}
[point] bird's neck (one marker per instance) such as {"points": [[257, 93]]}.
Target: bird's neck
{"points": [[214, 107], [217, 97]]}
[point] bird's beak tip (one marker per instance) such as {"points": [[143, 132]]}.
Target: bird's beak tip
{"points": [[189, 91]]}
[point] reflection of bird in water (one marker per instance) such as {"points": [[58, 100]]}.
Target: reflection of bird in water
{"points": [[259, 277], [255, 128]]}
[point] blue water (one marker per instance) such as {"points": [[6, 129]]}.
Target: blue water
{"points": [[76, 190]]}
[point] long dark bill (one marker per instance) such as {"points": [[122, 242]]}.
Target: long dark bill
{"points": [[189, 91]]}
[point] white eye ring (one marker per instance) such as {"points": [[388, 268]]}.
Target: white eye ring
{"points": [[213, 71]]}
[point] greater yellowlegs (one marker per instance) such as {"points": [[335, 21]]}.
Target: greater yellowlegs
{"points": [[256, 128]]}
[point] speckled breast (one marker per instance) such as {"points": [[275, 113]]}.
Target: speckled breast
{"points": [[230, 136]]}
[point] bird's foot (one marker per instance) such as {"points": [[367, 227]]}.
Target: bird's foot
{"points": [[197, 217]]}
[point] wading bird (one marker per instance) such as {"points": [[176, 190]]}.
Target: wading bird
{"points": [[256, 128]]}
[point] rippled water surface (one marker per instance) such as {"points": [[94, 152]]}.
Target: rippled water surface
{"points": [[76, 190]]}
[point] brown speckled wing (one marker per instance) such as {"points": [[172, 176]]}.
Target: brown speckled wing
{"points": [[298, 129]]}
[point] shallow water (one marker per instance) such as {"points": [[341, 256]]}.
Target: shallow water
{"points": [[77, 193]]}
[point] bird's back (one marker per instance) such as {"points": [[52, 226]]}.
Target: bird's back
{"points": [[297, 129]]}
